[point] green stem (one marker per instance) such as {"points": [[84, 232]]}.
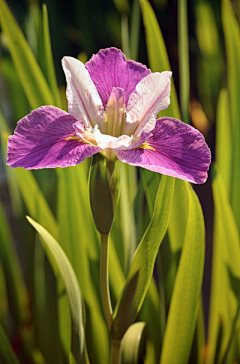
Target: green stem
{"points": [[106, 301], [115, 355]]}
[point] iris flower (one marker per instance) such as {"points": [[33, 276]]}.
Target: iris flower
{"points": [[112, 109]]}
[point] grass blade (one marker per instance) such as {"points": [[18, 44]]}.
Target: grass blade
{"points": [[132, 347], [78, 238], [7, 355], [141, 270], [224, 139], [232, 40], [157, 53], [185, 299], [184, 80], [62, 266], [48, 58], [29, 72], [14, 279], [226, 262]]}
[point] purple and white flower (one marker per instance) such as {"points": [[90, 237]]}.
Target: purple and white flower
{"points": [[113, 105]]}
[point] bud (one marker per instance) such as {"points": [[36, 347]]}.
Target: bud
{"points": [[104, 185]]}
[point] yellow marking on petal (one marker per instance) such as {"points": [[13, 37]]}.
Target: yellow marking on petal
{"points": [[72, 138], [146, 146], [89, 139]]}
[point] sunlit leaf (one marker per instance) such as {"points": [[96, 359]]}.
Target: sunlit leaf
{"points": [[78, 238], [226, 262], [223, 139], [171, 248], [62, 266], [132, 346], [143, 262], [185, 298], [232, 40]]}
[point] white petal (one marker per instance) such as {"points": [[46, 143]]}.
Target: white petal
{"points": [[151, 95], [84, 102], [105, 141]]}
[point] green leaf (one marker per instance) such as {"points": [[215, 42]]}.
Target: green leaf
{"points": [[132, 346], [153, 313], [62, 266], [14, 192], [36, 203], [224, 138], [183, 310], [209, 66], [184, 81], [123, 229], [171, 248], [135, 29], [48, 64], [225, 266], [15, 97], [32, 79], [142, 265], [157, 53], [78, 238], [232, 40], [16, 288], [7, 355]]}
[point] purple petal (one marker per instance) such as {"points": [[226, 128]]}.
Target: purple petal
{"points": [[109, 69], [42, 139], [174, 149]]}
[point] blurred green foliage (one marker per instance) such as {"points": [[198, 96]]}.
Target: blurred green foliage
{"points": [[35, 324]]}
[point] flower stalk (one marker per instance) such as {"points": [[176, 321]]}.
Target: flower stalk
{"points": [[116, 350], [106, 300]]}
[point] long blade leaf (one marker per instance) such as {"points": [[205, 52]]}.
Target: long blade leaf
{"points": [[7, 355], [32, 79], [232, 40], [184, 303], [157, 53], [141, 270], [61, 265]]}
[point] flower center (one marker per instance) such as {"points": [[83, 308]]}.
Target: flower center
{"points": [[115, 113]]}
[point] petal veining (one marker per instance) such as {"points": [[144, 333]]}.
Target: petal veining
{"points": [[109, 68], [175, 149], [46, 139], [84, 102], [151, 95]]}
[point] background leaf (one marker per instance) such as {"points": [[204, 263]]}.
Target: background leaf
{"points": [[232, 41], [185, 299], [132, 346], [32, 79], [79, 239], [62, 266], [157, 54], [226, 262], [7, 355], [141, 270]]}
